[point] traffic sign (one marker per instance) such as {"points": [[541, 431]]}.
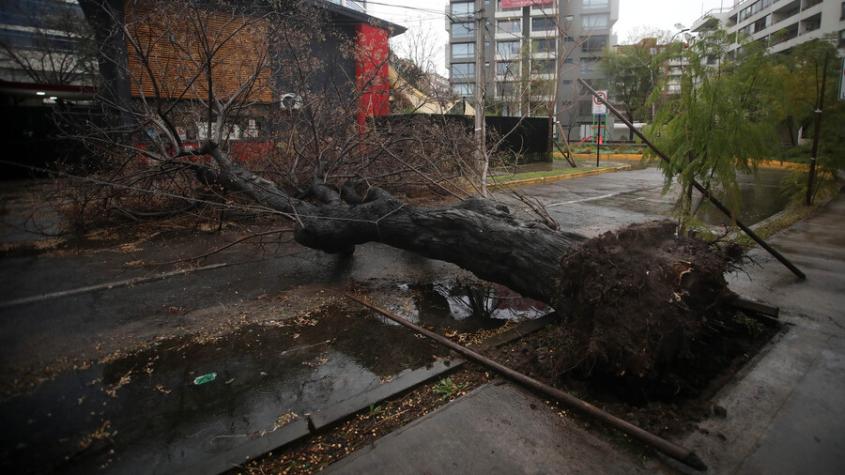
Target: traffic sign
{"points": [[598, 107]]}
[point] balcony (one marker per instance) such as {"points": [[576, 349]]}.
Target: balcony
{"points": [[786, 11]]}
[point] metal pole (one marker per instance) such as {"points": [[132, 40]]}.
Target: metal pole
{"points": [[718, 204], [480, 125], [598, 138], [816, 134], [673, 450]]}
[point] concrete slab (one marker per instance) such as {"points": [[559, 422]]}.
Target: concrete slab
{"points": [[786, 414], [495, 429]]}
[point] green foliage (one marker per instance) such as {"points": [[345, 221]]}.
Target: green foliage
{"points": [[447, 389], [632, 72], [720, 122], [799, 73]]}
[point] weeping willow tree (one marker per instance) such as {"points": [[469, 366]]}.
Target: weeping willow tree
{"points": [[719, 124]]}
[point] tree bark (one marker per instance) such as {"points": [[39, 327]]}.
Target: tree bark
{"points": [[476, 234]]}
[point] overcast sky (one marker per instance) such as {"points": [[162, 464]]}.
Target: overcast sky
{"points": [[426, 17]]}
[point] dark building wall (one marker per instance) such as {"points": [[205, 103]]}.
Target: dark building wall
{"points": [[526, 136]]}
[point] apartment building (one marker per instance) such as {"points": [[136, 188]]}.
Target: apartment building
{"points": [[357, 5], [778, 24], [528, 45]]}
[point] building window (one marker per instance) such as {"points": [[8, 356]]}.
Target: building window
{"points": [[544, 45], [463, 30], [543, 66], [463, 50], [592, 22], [463, 71], [462, 9], [594, 3], [594, 44], [762, 23], [507, 49], [509, 26], [588, 65], [463, 90], [842, 38], [507, 68], [813, 23], [543, 24]]}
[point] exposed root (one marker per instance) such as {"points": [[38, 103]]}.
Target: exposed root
{"points": [[640, 303]]}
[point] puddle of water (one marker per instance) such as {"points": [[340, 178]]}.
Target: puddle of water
{"points": [[762, 196], [157, 418], [449, 305]]}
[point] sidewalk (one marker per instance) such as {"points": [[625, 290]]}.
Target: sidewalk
{"points": [[495, 429], [784, 411], [787, 414]]}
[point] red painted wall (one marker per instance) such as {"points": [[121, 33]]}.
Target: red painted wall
{"points": [[371, 72]]}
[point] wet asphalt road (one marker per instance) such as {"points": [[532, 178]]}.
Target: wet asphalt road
{"points": [[87, 325], [39, 332]]}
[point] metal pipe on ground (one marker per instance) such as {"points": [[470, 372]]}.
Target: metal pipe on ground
{"points": [[704, 191], [745, 304], [664, 446]]}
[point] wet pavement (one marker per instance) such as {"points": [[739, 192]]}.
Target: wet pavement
{"points": [[597, 204], [785, 415], [142, 404], [153, 409]]}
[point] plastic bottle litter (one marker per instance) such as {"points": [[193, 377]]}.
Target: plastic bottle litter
{"points": [[206, 378]]}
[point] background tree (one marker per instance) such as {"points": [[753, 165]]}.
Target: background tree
{"points": [[633, 73], [799, 73]]}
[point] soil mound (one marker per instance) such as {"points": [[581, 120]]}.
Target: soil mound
{"points": [[642, 307]]}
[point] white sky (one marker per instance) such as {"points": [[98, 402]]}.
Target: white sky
{"points": [[635, 16]]}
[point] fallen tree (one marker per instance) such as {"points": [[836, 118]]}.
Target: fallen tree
{"points": [[636, 301]]}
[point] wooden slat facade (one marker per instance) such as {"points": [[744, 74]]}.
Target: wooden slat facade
{"points": [[171, 41]]}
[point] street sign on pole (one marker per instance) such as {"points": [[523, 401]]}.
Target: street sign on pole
{"points": [[598, 107]]}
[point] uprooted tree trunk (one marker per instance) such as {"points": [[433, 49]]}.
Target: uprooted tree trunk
{"points": [[637, 299]]}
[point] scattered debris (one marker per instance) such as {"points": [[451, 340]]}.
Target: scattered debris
{"points": [[124, 380], [205, 378]]}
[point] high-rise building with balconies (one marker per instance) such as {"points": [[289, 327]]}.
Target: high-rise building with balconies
{"points": [[528, 45], [777, 24]]}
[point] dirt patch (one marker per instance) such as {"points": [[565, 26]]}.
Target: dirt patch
{"points": [[643, 307], [673, 407]]}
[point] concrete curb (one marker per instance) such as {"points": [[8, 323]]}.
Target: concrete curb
{"points": [[319, 420], [610, 156], [766, 164], [554, 178]]}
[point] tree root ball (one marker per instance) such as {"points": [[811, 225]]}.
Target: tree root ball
{"points": [[641, 303]]}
